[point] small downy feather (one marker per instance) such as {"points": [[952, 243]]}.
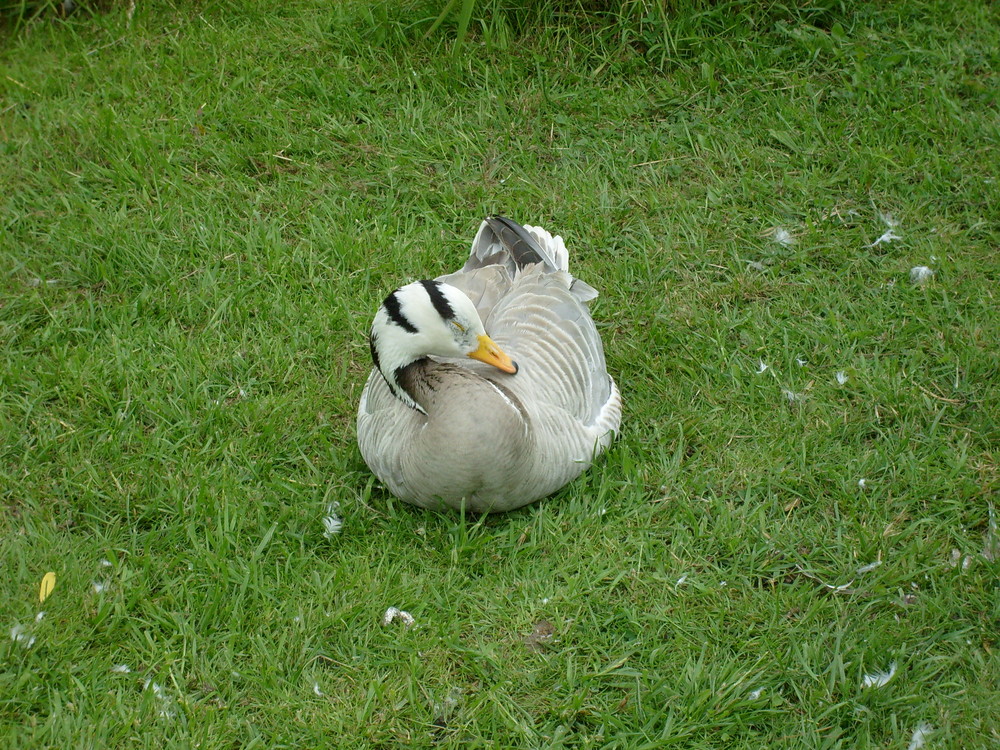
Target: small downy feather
{"points": [[879, 679]]}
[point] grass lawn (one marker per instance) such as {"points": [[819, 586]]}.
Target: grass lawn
{"points": [[201, 207]]}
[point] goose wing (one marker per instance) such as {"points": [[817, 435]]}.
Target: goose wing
{"points": [[549, 332], [518, 278]]}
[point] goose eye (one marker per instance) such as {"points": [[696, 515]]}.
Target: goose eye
{"points": [[458, 325]]}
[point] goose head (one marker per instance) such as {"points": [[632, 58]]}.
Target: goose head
{"points": [[429, 318]]}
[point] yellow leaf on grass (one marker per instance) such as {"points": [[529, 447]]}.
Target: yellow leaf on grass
{"points": [[48, 583]]}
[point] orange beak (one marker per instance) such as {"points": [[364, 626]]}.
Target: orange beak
{"points": [[492, 354]]}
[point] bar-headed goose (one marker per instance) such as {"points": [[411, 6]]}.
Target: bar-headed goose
{"points": [[451, 415]]}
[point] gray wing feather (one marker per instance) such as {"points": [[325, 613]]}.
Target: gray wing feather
{"points": [[485, 286], [535, 310], [552, 337]]}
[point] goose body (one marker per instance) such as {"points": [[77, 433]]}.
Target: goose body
{"points": [[451, 416]]}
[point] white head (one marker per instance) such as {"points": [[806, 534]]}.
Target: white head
{"points": [[429, 318]]}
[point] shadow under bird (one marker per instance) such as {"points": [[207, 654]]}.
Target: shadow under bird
{"points": [[453, 416]]}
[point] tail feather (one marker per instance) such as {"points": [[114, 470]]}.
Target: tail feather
{"points": [[500, 251], [522, 246], [501, 241]]}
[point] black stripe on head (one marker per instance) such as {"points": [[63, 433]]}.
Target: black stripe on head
{"points": [[391, 306], [438, 299]]}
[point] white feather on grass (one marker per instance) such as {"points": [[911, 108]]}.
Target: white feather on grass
{"points": [[782, 236], [394, 613], [887, 236], [957, 558], [791, 396], [444, 710], [921, 274], [841, 377], [21, 636], [888, 219], [991, 540], [879, 679], [844, 587], [919, 736], [164, 703], [332, 522]]}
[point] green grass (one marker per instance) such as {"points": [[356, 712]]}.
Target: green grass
{"points": [[203, 206]]}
